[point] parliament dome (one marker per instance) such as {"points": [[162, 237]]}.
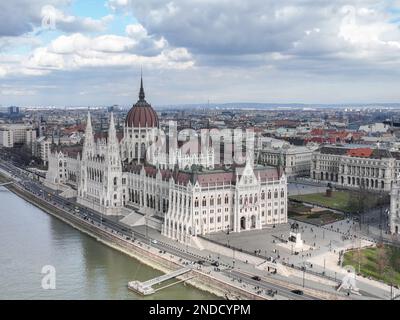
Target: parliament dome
{"points": [[142, 113]]}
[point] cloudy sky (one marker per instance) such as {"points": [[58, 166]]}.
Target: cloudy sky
{"points": [[90, 52]]}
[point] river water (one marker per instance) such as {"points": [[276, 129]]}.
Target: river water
{"points": [[84, 268]]}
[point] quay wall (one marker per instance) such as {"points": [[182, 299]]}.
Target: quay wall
{"points": [[140, 251]]}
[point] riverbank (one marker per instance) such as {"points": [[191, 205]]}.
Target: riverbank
{"points": [[144, 253]]}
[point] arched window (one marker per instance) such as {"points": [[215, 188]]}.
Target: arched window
{"points": [[115, 181], [142, 150]]}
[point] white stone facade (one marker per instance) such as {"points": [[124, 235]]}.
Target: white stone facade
{"points": [[394, 220], [296, 160], [111, 175], [11, 134], [373, 169]]}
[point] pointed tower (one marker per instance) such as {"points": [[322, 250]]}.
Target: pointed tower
{"points": [[113, 171], [141, 91], [112, 133], [87, 152], [89, 139]]}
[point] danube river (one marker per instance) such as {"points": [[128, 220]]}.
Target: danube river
{"points": [[85, 268]]}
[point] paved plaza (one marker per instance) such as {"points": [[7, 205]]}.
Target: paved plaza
{"points": [[270, 242], [295, 189], [323, 244]]}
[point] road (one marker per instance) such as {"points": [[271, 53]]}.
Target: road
{"points": [[23, 178]]}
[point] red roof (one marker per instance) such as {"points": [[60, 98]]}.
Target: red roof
{"points": [[142, 115], [360, 152]]}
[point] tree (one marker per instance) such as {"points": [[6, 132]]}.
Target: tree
{"points": [[382, 259], [359, 258]]}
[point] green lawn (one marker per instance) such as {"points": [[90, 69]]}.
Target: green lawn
{"points": [[340, 200], [303, 213], [378, 263]]}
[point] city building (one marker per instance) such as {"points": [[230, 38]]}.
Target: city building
{"points": [[296, 160], [16, 134], [42, 148], [394, 219], [356, 166], [6, 138], [111, 174]]}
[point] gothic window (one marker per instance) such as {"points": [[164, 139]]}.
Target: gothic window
{"points": [[204, 202], [115, 181], [269, 194], [143, 150], [219, 200]]}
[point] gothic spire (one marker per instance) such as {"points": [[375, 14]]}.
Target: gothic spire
{"points": [[88, 124], [141, 92], [89, 131], [112, 123], [112, 133]]}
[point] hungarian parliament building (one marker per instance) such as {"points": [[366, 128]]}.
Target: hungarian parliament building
{"points": [[183, 195]]}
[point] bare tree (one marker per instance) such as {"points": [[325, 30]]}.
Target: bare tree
{"points": [[382, 259]]}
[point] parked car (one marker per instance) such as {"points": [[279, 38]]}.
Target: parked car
{"points": [[257, 278]]}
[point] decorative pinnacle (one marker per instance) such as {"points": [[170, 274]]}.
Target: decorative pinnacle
{"points": [[141, 92]]}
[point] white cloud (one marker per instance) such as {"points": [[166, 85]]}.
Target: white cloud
{"points": [[78, 51], [287, 49], [69, 23], [136, 31], [243, 32]]}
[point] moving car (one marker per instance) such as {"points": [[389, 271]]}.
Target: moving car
{"points": [[299, 292]]}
